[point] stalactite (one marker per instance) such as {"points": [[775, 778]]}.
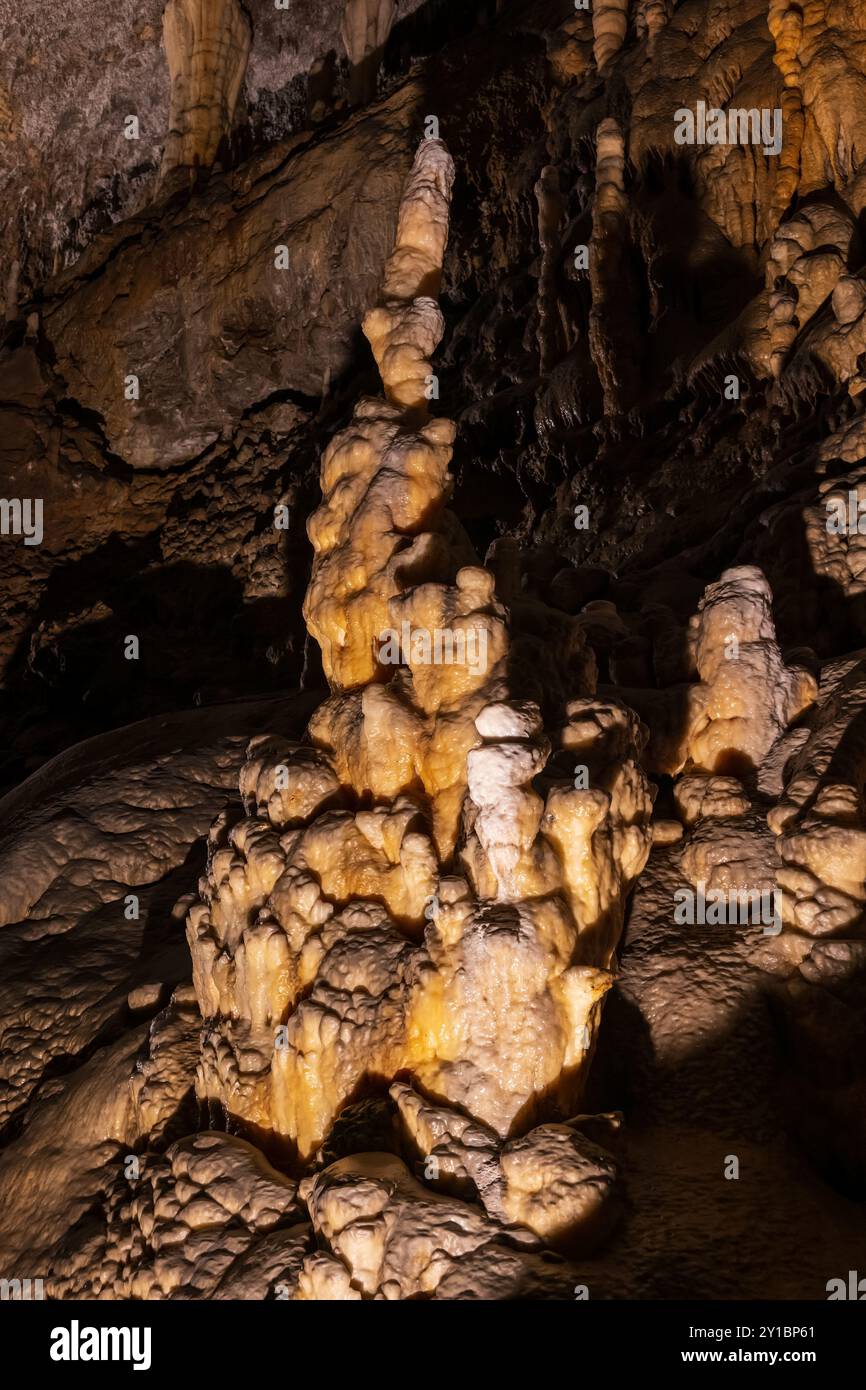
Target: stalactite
{"points": [[207, 45], [364, 30], [651, 17], [612, 324], [609, 25], [549, 199], [785, 22]]}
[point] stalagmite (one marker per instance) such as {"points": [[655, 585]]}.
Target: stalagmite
{"points": [[401, 896], [722, 728], [207, 44], [322, 978], [747, 696]]}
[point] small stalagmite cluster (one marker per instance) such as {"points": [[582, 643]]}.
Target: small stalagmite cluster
{"points": [[425, 889]]}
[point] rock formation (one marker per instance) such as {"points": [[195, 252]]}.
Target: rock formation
{"points": [[410, 904], [747, 696], [364, 30], [609, 24], [207, 45], [611, 321], [650, 17], [550, 327]]}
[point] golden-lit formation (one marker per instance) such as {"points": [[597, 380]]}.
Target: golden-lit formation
{"points": [[609, 25], [401, 899]]}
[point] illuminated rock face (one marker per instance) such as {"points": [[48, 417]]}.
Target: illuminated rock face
{"points": [[808, 257], [193, 1213], [700, 797], [820, 820], [401, 898], [383, 1234]]}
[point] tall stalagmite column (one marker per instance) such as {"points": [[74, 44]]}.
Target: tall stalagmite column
{"points": [[414, 891]]}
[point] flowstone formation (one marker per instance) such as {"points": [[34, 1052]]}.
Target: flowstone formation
{"points": [[430, 887]]}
